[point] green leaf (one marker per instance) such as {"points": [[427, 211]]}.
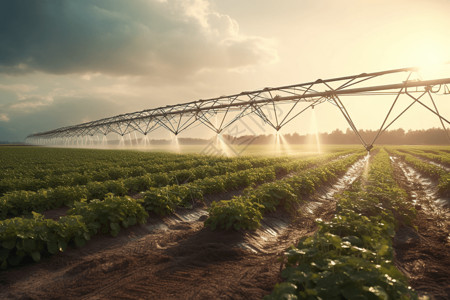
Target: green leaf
{"points": [[378, 291], [4, 253], [52, 246], [79, 241], [115, 227], [14, 260], [131, 221], [285, 291], [62, 245], [383, 250], [29, 245], [36, 256], [9, 244]]}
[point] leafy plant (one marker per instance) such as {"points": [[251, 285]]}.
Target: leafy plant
{"points": [[351, 256], [110, 214], [22, 238], [239, 213]]}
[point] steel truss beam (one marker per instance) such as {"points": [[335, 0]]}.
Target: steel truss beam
{"points": [[265, 104]]}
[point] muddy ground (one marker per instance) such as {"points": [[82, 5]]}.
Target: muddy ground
{"points": [[424, 255], [177, 258]]}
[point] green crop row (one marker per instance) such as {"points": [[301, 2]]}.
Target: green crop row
{"points": [[37, 162], [428, 169], [31, 238], [351, 256], [164, 200], [439, 157], [19, 203], [246, 211], [51, 177], [20, 173], [32, 168], [108, 215]]}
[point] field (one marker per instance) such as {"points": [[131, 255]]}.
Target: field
{"points": [[110, 224]]}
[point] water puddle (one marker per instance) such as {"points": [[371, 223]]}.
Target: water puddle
{"points": [[191, 215], [186, 216], [359, 168], [447, 169], [270, 229], [421, 187]]}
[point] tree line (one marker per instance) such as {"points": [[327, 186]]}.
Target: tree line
{"points": [[432, 136]]}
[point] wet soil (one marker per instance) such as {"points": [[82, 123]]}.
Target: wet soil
{"points": [[175, 258], [423, 254]]}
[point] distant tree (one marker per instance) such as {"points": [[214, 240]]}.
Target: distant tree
{"points": [[432, 136]]}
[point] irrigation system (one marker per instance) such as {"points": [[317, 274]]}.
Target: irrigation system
{"points": [[219, 113]]}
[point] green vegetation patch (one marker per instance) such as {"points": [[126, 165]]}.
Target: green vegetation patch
{"points": [[351, 256]]}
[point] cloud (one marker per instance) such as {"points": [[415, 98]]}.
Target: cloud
{"points": [[41, 116], [4, 118], [152, 38], [28, 105]]}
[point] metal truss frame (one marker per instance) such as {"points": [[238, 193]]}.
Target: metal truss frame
{"points": [[180, 117]]}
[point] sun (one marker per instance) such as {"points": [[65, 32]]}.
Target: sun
{"points": [[429, 56]]}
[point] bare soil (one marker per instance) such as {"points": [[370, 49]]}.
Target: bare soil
{"points": [[56, 213], [423, 254]]}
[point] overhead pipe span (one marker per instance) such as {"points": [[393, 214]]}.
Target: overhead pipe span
{"points": [[179, 117]]}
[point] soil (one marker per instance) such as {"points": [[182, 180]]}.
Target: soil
{"points": [[423, 254], [56, 213]]}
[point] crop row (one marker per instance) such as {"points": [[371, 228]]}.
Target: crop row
{"points": [[351, 256], [441, 158], [17, 203], [428, 169], [38, 162], [48, 179], [164, 200], [246, 211], [30, 238]]}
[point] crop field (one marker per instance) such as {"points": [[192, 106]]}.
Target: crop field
{"points": [[109, 224]]}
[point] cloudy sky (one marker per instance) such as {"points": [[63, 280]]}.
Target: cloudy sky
{"points": [[67, 62]]}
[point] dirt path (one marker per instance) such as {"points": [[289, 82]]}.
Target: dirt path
{"points": [[175, 258], [424, 255]]}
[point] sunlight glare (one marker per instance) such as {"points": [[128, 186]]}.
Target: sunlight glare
{"points": [[315, 130], [430, 58]]}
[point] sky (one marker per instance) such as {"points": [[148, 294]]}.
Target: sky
{"points": [[67, 62]]}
